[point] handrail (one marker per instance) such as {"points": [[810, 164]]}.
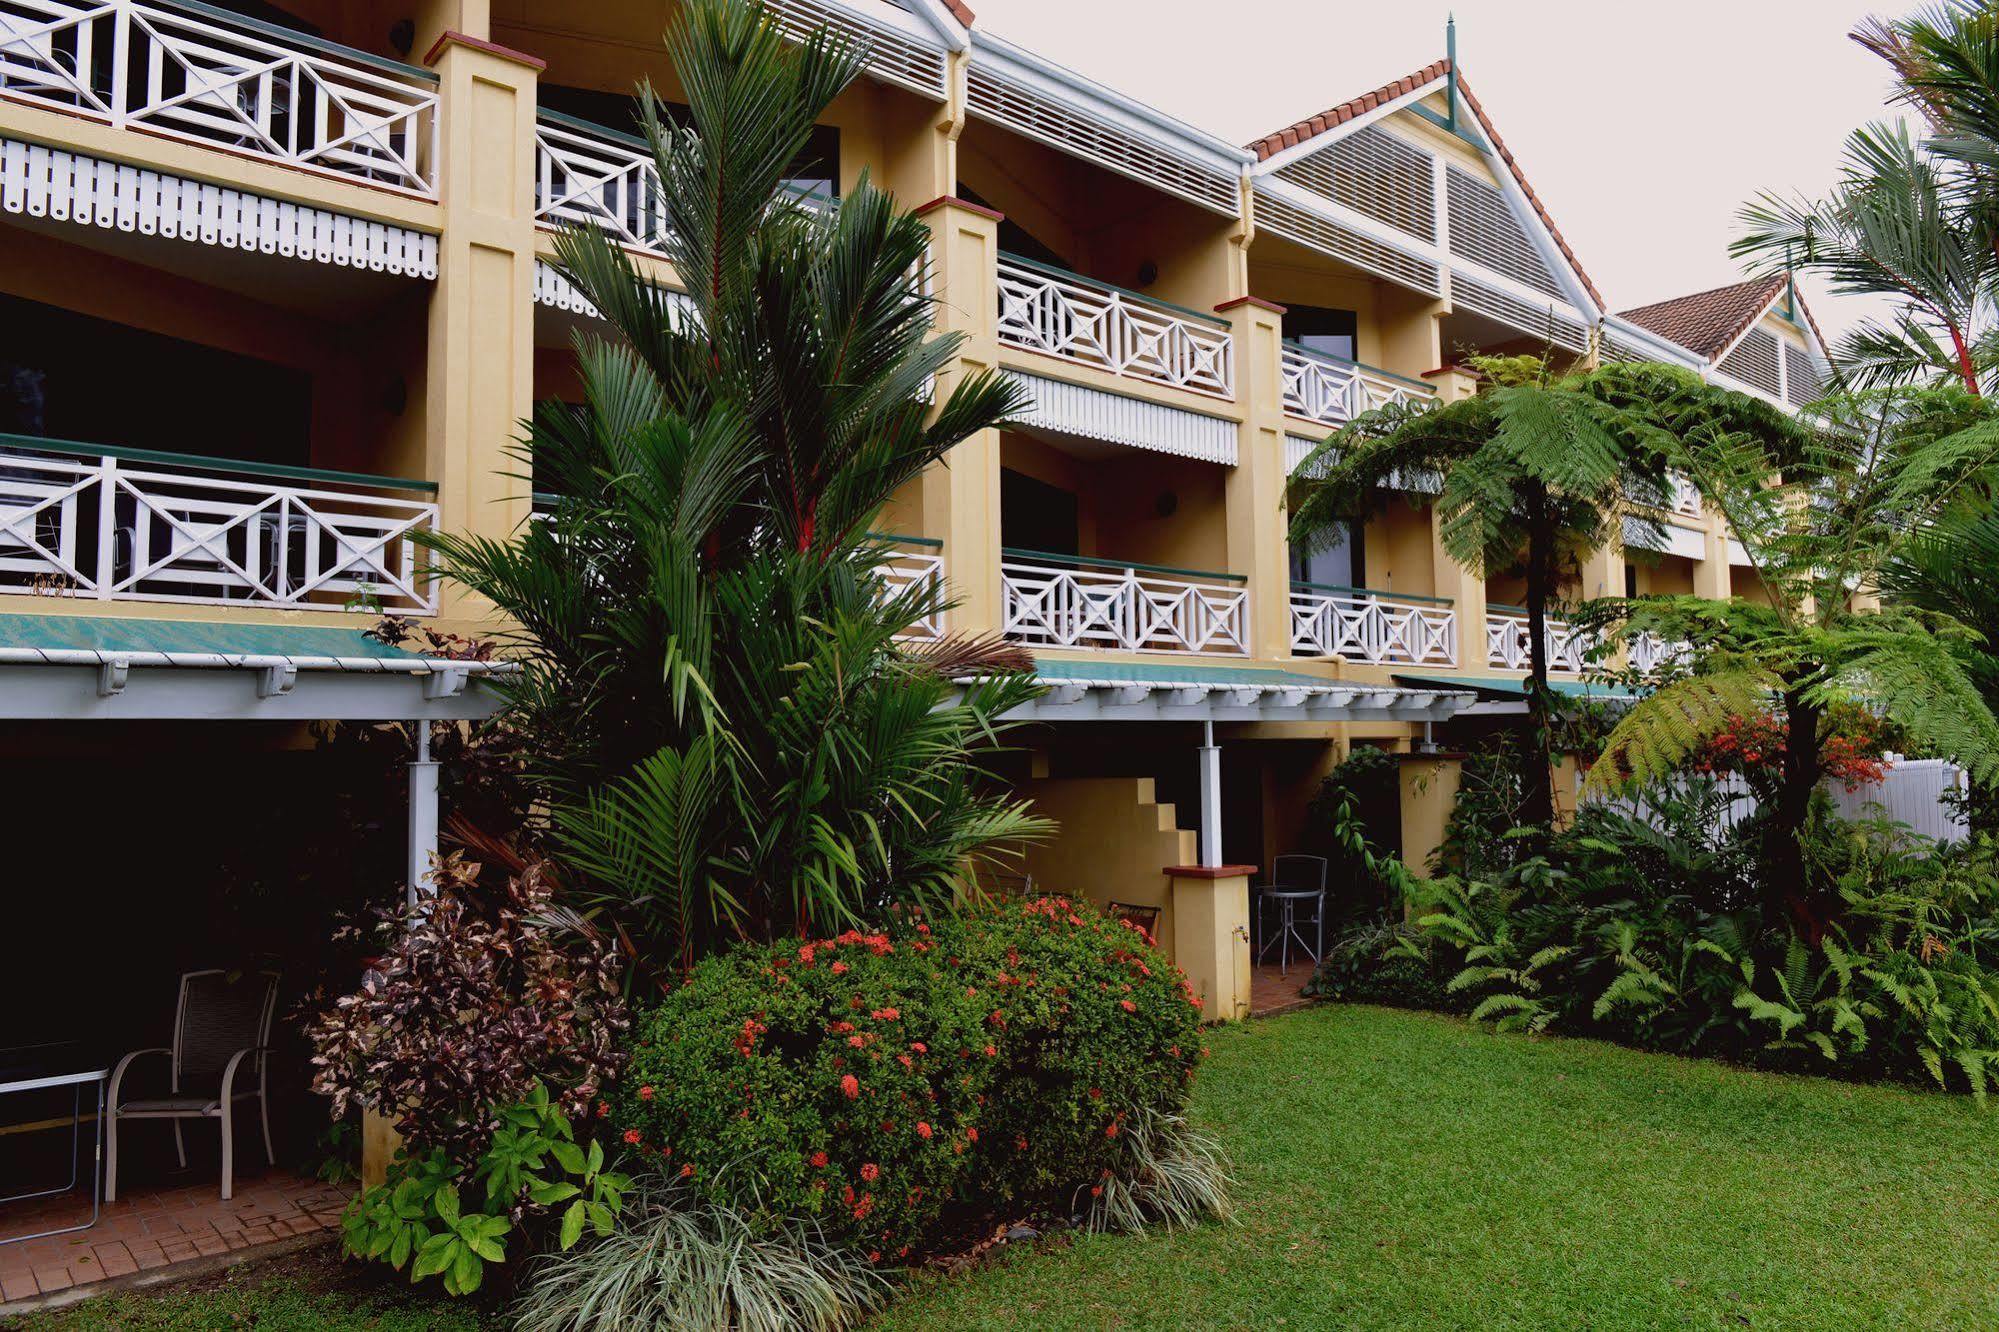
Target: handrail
{"points": [[279, 33], [898, 539], [1297, 583], [1091, 562], [1293, 345], [1066, 275], [582, 126], [1506, 607], [284, 471]]}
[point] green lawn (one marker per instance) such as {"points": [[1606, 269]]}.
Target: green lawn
{"points": [[1400, 1170]]}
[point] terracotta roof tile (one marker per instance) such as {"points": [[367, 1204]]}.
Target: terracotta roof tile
{"points": [[1705, 322], [1271, 144], [960, 11]]}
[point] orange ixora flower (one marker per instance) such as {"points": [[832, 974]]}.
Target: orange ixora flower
{"points": [[922, 1129], [851, 1085], [819, 1160], [871, 1172]]}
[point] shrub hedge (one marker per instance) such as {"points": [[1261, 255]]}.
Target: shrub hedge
{"points": [[892, 1086]]}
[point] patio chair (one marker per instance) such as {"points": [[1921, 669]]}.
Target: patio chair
{"points": [[1297, 884], [218, 1025]]}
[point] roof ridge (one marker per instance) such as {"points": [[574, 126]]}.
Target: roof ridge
{"points": [[1706, 291]]}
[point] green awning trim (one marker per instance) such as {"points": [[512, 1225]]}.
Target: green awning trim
{"points": [[1060, 671], [105, 633], [1507, 687]]}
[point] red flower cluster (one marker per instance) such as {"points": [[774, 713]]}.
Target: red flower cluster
{"points": [[1850, 752]]}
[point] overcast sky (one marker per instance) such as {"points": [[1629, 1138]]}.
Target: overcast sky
{"points": [[1643, 127]]}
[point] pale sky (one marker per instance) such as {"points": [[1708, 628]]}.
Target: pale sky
{"points": [[1643, 127]]}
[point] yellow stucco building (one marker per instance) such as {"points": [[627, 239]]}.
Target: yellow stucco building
{"points": [[277, 287]]}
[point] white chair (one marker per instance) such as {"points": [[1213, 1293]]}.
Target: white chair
{"points": [[219, 1024]]}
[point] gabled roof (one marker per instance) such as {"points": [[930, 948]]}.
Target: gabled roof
{"points": [[1708, 323], [1292, 135]]}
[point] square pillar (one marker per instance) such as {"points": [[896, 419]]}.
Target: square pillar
{"points": [[1211, 935], [1712, 579], [1429, 794], [479, 373], [1258, 549], [960, 496]]}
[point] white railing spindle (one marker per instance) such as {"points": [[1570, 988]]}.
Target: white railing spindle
{"points": [[1072, 318], [1053, 602], [904, 569], [1332, 392], [596, 177], [1507, 642], [1372, 627]]}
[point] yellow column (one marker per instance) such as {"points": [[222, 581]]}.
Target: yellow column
{"points": [[1429, 793], [479, 373], [1211, 936], [961, 498], [1465, 587], [1711, 575], [1255, 489]]}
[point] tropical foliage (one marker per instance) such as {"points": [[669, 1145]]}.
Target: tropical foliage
{"points": [[732, 737]]}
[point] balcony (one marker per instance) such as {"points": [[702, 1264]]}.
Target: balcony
{"points": [[187, 71], [916, 562], [1331, 391], [1382, 628], [133, 525], [1075, 319], [1507, 641], [1071, 602], [587, 175]]}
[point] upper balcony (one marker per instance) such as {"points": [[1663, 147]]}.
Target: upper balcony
{"points": [[1329, 390], [1061, 314], [188, 71]]}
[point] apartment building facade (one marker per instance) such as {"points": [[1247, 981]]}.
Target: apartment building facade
{"points": [[278, 285]]}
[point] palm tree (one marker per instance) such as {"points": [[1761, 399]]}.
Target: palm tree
{"points": [[1880, 466], [1902, 223], [1538, 468], [731, 735]]}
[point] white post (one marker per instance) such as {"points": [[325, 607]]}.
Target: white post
{"points": [[423, 812], [1211, 797]]}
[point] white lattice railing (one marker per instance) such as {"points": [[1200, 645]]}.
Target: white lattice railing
{"points": [[1647, 652], [1061, 601], [1358, 625], [917, 563], [227, 82], [586, 175], [1507, 640], [1332, 392], [127, 525], [1046, 310]]}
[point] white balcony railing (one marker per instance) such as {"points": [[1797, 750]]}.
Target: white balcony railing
{"points": [[1359, 625], [1062, 601], [1507, 641], [128, 525], [1332, 392], [919, 563], [1044, 309], [586, 175], [193, 72], [1647, 652]]}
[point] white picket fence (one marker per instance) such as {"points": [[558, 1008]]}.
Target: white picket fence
{"points": [[1911, 792]]}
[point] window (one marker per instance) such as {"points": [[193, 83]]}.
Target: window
{"points": [[1341, 565], [1036, 516], [1328, 332], [815, 172]]}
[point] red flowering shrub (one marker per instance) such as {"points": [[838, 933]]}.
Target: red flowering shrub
{"points": [[1850, 748], [889, 1084]]}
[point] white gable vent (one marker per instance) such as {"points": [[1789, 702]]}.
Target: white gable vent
{"points": [[1015, 106], [1803, 381], [1377, 175], [1321, 233], [1551, 322], [897, 51], [1485, 231], [1754, 362]]}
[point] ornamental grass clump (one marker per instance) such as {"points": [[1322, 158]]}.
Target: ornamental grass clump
{"points": [[893, 1088]]}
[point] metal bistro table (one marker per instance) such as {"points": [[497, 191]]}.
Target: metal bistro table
{"points": [[76, 1082]]}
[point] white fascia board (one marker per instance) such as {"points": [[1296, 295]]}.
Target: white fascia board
{"points": [[1667, 349], [1306, 147], [1124, 700], [1095, 100], [1332, 210], [79, 692], [936, 17]]}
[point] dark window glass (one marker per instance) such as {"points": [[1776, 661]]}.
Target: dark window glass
{"points": [[1016, 239], [1316, 328], [815, 172], [1036, 516], [1341, 565]]}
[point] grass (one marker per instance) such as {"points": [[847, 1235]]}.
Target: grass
{"points": [[1399, 1170], [310, 1291]]}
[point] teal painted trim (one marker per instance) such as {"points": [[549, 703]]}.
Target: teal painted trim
{"points": [[1369, 592], [1358, 365], [1463, 132], [1090, 562], [898, 539], [35, 444], [108, 633], [593, 129], [1518, 610], [287, 37], [1139, 296], [1087, 668], [545, 499]]}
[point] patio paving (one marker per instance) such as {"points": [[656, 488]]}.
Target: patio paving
{"points": [[157, 1228], [1270, 991]]}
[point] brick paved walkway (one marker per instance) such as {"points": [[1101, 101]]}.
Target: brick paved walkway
{"points": [[157, 1229], [1270, 992]]}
